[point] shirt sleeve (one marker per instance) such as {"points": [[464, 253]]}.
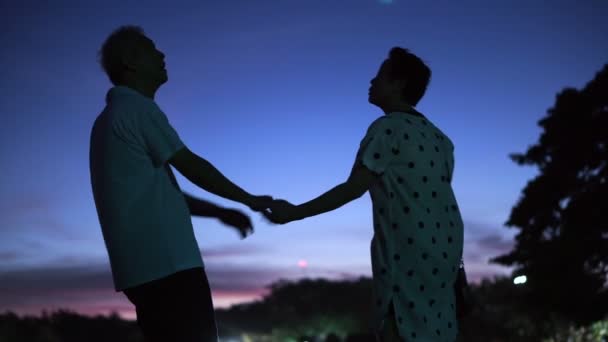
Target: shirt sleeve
{"points": [[380, 146], [160, 139]]}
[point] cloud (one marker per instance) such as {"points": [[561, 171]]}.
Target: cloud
{"points": [[6, 256], [20, 215], [476, 275], [234, 250], [16, 205], [488, 247], [88, 288], [483, 242], [227, 277], [52, 280], [493, 245]]}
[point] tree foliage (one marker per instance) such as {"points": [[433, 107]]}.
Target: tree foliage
{"points": [[562, 245]]}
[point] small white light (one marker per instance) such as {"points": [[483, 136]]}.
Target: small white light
{"points": [[520, 280]]}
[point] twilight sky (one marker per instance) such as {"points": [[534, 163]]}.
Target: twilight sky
{"points": [[274, 94]]}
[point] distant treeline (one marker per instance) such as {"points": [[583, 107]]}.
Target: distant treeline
{"points": [[313, 310]]}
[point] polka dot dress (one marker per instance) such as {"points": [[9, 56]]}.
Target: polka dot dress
{"points": [[418, 231]]}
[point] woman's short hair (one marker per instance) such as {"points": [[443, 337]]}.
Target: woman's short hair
{"points": [[405, 65]]}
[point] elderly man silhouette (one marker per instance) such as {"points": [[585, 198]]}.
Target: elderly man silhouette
{"points": [[144, 216]]}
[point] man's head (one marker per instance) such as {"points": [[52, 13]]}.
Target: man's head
{"points": [[130, 58], [402, 80]]}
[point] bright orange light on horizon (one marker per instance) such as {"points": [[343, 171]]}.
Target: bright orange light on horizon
{"points": [[302, 263]]}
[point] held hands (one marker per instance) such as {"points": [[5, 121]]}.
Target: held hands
{"points": [[276, 211], [259, 203], [281, 212]]}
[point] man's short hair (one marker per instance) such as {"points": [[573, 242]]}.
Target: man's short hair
{"points": [[406, 65], [118, 44]]}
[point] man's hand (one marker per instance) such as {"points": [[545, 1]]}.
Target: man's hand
{"points": [[259, 203], [281, 212], [238, 220]]}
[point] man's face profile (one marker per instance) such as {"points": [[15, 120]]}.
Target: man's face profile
{"points": [[146, 63]]}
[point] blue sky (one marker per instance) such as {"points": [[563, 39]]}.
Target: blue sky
{"points": [[274, 94]]}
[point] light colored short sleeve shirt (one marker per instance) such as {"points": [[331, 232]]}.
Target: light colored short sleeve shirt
{"points": [[418, 231], [144, 218]]}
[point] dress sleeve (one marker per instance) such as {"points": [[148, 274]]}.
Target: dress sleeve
{"points": [[380, 146], [160, 139]]}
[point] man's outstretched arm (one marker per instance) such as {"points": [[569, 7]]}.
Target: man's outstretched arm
{"points": [[197, 206], [203, 174], [230, 217], [202, 208]]}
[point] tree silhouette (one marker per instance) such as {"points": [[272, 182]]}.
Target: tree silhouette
{"points": [[67, 326], [562, 245]]}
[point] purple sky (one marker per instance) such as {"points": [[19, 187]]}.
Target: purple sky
{"points": [[274, 94]]}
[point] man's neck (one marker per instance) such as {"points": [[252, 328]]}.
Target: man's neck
{"points": [[146, 91]]}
